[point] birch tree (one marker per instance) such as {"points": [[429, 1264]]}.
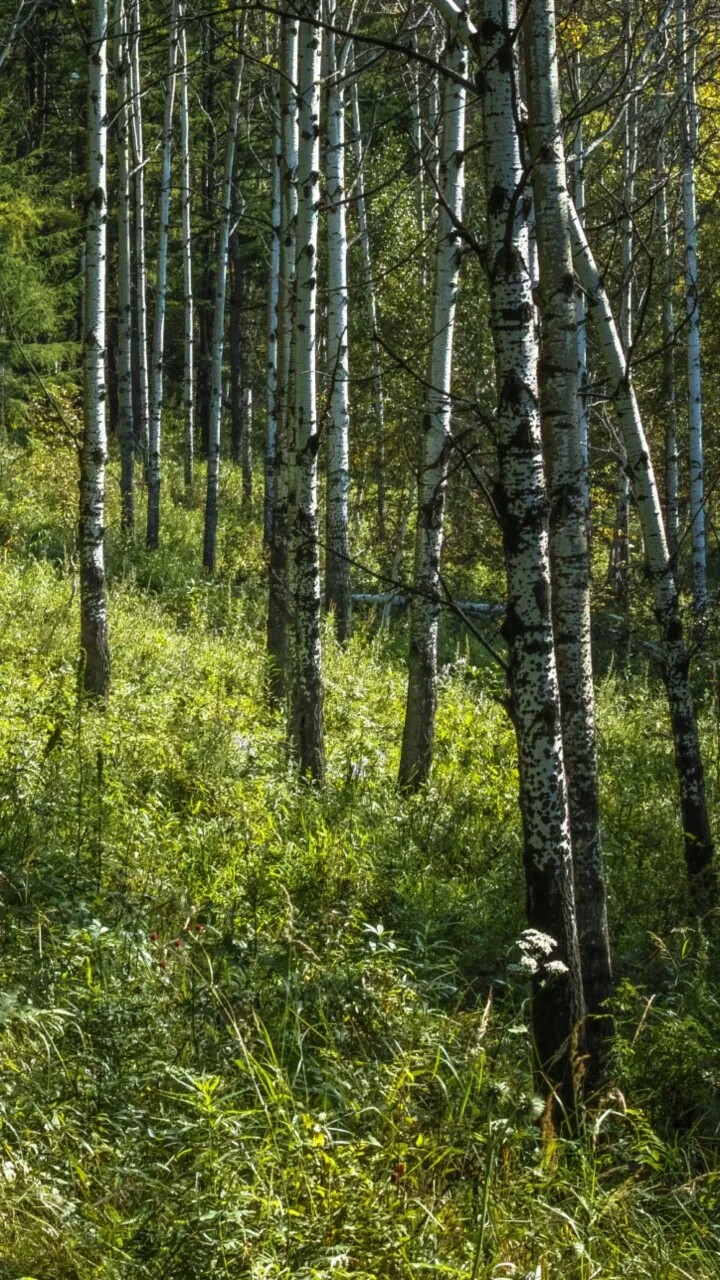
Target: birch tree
{"points": [[124, 359], [370, 296], [186, 218], [698, 840], [337, 538], [688, 116], [569, 563], [158, 351], [667, 282], [218, 341], [141, 321], [521, 504], [307, 688], [273, 327], [279, 603], [93, 454], [419, 727]]}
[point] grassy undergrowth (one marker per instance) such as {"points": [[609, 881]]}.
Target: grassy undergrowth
{"points": [[247, 1029]]}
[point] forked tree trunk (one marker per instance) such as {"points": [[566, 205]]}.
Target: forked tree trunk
{"points": [[699, 847], [337, 537], [186, 218], [689, 127], [419, 728], [125, 328], [307, 686], [152, 535], [93, 454], [218, 343], [141, 321], [568, 528], [279, 602]]}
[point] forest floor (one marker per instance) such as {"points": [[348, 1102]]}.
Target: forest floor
{"points": [[248, 1028]]}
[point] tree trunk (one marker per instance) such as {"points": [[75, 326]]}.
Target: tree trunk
{"points": [[207, 278], [186, 214], [419, 728], [279, 601], [337, 537], [125, 328], [307, 689], [141, 322], [583, 403], [521, 501], [568, 528], [272, 347], [156, 383], [236, 334], [218, 344], [93, 455], [667, 379], [372, 308], [688, 115], [699, 848]]}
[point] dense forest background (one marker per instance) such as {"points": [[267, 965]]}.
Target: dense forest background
{"points": [[303, 974]]}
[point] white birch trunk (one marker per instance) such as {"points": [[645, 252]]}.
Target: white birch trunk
{"points": [[218, 339], [419, 727], [699, 849], [620, 551], [93, 456], [272, 346], [689, 127], [667, 386], [143, 422], [583, 403], [337, 539], [568, 527], [521, 501], [279, 598], [156, 383], [186, 218], [124, 358], [371, 305], [307, 690]]}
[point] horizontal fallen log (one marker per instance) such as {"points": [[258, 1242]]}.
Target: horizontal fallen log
{"points": [[473, 608]]}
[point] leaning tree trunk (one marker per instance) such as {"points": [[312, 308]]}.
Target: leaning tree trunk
{"points": [[152, 534], [568, 528], [699, 848], [689, 127], [338, 597], [272, 347], [278, 622], [620, 550], [371, 306], [307, 686], [583, 400], [125, 328], [667, 378], [218, 342], [419, 728], [186, 213], [93, 455], [141, 321]]}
